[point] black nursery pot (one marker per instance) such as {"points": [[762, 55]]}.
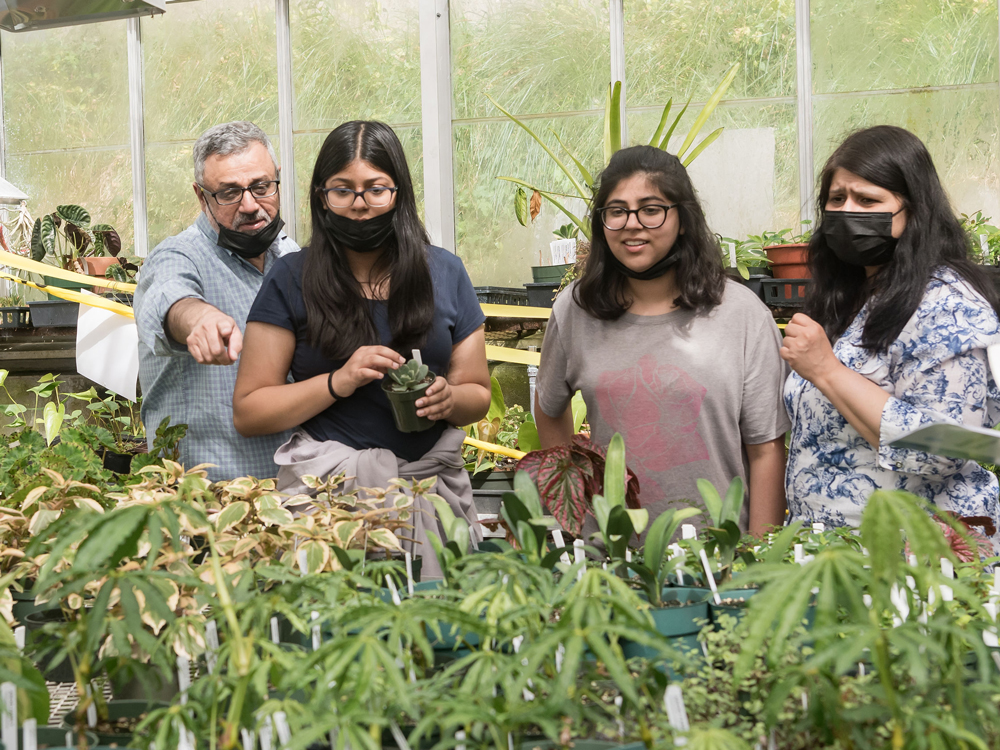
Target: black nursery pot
{"points": [[404, 409]]}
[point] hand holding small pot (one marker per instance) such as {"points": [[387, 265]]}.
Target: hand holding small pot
{"points": [[438, 401], [368, 363]]}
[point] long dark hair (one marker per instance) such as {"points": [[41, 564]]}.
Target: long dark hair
{"points": [[338, 316], [603, 290], [896, 160]]}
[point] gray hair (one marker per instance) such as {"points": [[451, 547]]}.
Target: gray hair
{"points": [[225, 139]]}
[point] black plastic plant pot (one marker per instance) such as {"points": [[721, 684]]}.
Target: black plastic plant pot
{"points": [[24, 604], [119, 463], [63, 671], [404, 406], [118, 710]]}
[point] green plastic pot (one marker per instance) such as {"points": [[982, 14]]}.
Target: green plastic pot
{"points": [[583, 745], [549, 274], [404, 408], [24, 605], [680, 624], [63, 284], [119, 709], [735, 610], [52, 737]]}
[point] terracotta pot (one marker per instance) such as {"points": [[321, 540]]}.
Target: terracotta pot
{"points": [[98, 267], [789, 261]]}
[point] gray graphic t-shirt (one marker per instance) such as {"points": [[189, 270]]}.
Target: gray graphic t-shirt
{"points": [[686, 390]]}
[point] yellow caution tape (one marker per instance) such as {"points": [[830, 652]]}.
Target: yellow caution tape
{"points": [[91, 300], [27, 264], [517, 356], [494, 448], [515, 311]]}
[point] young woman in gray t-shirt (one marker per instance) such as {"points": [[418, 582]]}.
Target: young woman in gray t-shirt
{"points": [[681, 361]]}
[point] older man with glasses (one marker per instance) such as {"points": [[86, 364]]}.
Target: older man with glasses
{"points": [[194, 294]]}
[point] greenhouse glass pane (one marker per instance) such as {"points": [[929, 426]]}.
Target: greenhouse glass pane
{"points": [[209, 62], [682, 49], [860, 45], [531, 57], [496, 249], [100, 181], [307, 147], [66, 88], [355, 61], [959, 128], [747, 180]]}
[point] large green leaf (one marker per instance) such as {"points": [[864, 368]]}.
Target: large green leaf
{"points": [[713, 503], [521, 206], [614, 471], [612, 121], [74, 214], [52, 418], [498, 406], [658, 133], [231, 515], [549, 195], [47, 233], [579, 407], [527, 436], [37, 246], [112, 539], [708, 109], [708, 141]]}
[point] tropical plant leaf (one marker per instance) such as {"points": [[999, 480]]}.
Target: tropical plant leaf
{"points": [[498, 406], [655, 140], [713, 503], [527, 436], [562, 477], [344, 532], [584, 172], [110, 240], [385, 539], [612, 121], [673, 126], [317, 555], [47, 234], [521, 206], [708, 109], [231, 515], [527, 493], [614, 471], [708, 141], [534, 204], [549, 195], [275, 516], [579, 407], [73, 214], [52, 418]]}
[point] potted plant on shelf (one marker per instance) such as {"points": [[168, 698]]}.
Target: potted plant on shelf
{"points": [[404, 387], [787, 252], [120, 417]]}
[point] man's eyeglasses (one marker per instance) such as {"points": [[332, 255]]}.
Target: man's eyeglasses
{"points": [[341, 197], [232, 195], [650, 216]]}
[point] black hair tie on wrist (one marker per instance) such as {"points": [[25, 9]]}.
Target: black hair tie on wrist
{"points": [[329, 385]]}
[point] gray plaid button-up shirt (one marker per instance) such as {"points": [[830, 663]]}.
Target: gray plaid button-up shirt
{"points": [[191, 264]]}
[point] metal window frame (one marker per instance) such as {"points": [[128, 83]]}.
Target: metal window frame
{"points": [[436, 121], [286, 116], [616, 24], [804, 118], [137, 136]]}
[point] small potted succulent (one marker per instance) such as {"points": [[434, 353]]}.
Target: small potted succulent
{"points": [[403, 387]]}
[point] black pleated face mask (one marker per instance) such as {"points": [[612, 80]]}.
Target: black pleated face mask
{"points": [[360, 236], [860, 238]]}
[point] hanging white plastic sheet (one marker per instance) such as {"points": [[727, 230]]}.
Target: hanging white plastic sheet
{"points": [[107, 350]]}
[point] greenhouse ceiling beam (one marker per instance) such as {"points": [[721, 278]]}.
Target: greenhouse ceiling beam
{"points": [[286, 115], [804, 120], [616, 22], [435, 115], [3, 126], [137, 137]]}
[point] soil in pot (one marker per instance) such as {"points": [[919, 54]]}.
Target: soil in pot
{"points": [[404, 409], [123, 717]]}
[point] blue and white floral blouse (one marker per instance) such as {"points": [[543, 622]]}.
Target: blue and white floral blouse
{"points": [[936, 371]]}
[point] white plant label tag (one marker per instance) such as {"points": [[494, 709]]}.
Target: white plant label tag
{"points": [[303, 562], [266, 734], [275, 631], [557, 537], [398, 736], [709, 576], [688, 531], [898, 598], [30, 731], [578, 557], [409, 572], [560, 655], [19, 632], [183, 676], [248, 740], [8, 725], [393, 592], [732, 254], [416, 356], [673, 702], [212, 643], [984, 246], [281, 725], [459, 740], [818, 528], [91, 710], [315, 632], [948, 571]]}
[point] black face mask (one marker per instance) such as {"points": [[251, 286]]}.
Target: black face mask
{"points": [[249, 246], [360, 236], [655, 271], [859, 238]]}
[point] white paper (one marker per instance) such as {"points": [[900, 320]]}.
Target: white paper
{"points": [[107, 350]]}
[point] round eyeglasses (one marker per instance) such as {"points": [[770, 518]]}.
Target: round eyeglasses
{"points": [[341, 197], [650, 216], [232, 195]]}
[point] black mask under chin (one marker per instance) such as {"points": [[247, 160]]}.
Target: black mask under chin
{"points": [[655, 271], [361, 236], [249, 246]]}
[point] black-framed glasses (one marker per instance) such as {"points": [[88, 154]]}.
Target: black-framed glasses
{"points": [[376, 197], [232, 195], [651, 216]]}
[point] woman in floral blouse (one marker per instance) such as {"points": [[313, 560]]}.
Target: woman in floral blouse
{"points": [[894, 337]]}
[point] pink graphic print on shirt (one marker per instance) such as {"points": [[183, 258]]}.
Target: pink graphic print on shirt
{"points": [[655, 408]]}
